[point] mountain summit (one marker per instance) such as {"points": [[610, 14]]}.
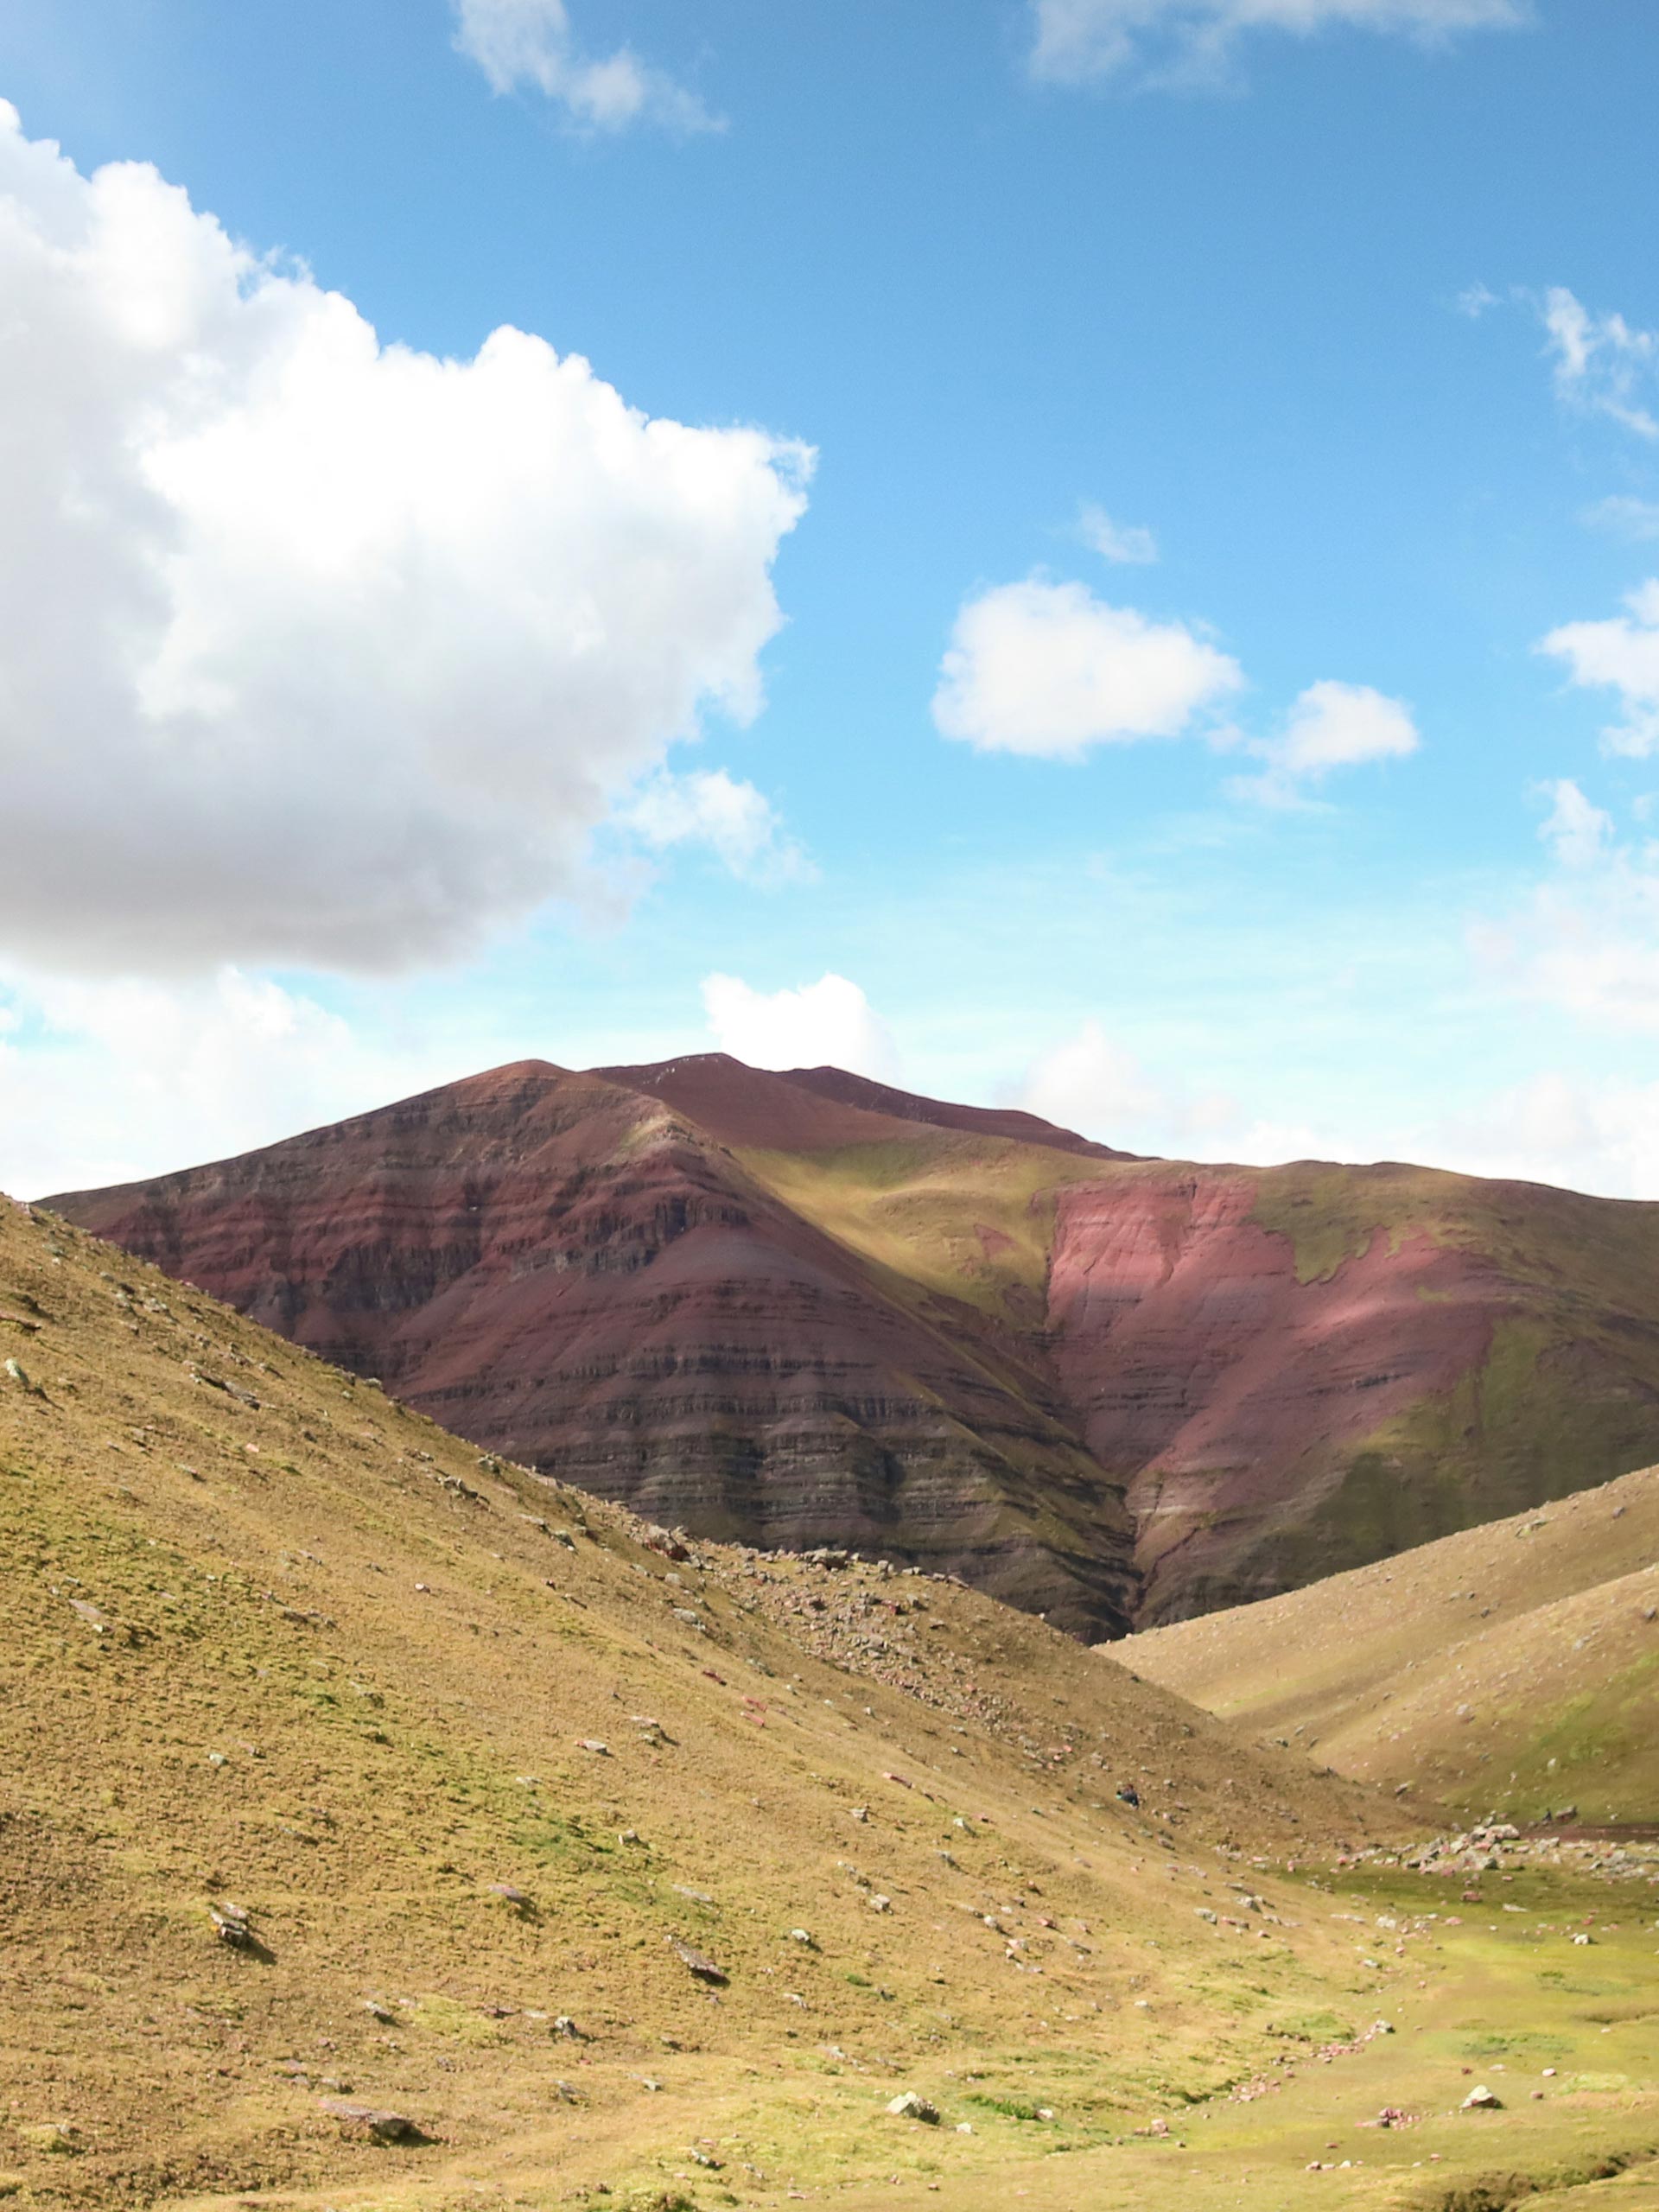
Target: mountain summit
{"points": [[805, 1308]]}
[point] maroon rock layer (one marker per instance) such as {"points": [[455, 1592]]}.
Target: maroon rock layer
{"points": [[570, 1273]]}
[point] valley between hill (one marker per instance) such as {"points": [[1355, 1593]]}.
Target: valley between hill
{"points": [[1516, 1664]]}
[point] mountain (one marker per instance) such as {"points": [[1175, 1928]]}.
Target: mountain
{"points": [[806, 1308], [1516, 1664], [451, 1752], [575, 1273]]}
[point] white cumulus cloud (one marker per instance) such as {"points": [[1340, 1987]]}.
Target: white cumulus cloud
{"points": [[530, 43], [1078, 42], [1601, 362], [1620, 655], [708, 807], [1555, 1127], [1048, 669], [314, 649], [1329, 726], [827, 1024]]}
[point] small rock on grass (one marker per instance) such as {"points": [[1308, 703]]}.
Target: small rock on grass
{"points": [[370, 2120], [1481, 2100], [704, 1968], [231, 1926], [909, 2105]]}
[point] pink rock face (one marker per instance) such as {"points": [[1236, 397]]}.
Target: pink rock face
{"points": [[1224, 1391]]}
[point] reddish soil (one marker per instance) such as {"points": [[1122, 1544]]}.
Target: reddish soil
{"points": [[1223, 1391]]}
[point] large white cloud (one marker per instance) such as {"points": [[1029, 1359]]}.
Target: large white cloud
{"points": [[1079, 41], [827, 1024], [1048, 669], [314, 649], [532, 43], [1620, 655]]}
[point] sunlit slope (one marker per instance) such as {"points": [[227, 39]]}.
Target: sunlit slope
{"points": [[1513, 1665], [959, 1214], [471, 1756], [1291, 1370]]}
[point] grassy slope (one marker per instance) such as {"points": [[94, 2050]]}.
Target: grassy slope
{"points": [[266, 1705], [1570, 1391], [258, 1574], [965, 1216], [1515, 1663]]}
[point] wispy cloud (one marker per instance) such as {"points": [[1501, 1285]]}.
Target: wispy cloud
{"points": [[1601, 362], [1085, 41], [1626, 516], [530, 45], [1621, 655], [732, 819], [1128, 543]]}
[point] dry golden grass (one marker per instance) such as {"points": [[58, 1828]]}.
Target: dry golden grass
{"points": [[1513, 1665], [272, 1642]]}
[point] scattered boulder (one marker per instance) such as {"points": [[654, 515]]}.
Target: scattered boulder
{"points": [[706, 1969], [231, 1926], [1481, 2100], [909, 2105], [372, 2122]]}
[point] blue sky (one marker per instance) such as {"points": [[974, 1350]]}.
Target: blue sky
{"points": [[1289, 833]]}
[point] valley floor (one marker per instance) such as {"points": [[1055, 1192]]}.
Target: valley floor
{"points": [[1498, 1995]]}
